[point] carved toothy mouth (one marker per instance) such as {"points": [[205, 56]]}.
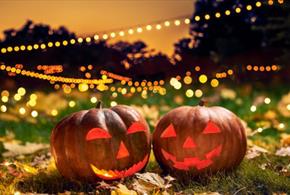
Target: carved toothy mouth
{"points": [[193, 162], [116, 174]]}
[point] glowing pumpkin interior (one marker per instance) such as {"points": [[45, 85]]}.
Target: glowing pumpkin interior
{"points": [[122, 152], [189, 145]]}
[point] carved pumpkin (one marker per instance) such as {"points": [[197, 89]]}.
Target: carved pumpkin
{"points": [[101, 143], [194, 140]]}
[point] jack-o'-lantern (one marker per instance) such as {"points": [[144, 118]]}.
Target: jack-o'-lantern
{"points": [[101, 143], [194, 140]]}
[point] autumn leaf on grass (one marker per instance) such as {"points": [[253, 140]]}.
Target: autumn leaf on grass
{"points": [[148, 182], [123, 190], [26, 168], [283, 151], [255, 151], [15, 149]]}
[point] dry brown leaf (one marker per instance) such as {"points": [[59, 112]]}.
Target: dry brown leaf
{"points": [[123, 190], [15, 149], [283, 151], [148, 182], [255, 151]]}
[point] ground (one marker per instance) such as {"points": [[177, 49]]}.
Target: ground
{"points": [[27, 165]]}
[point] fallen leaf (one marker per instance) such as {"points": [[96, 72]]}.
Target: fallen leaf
{"points": [[283, 151], [123, 190], [255, 151], [148, 182], [15, 149]]}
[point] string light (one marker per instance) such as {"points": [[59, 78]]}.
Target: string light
{"points": [[56, 78], [130, 31]]}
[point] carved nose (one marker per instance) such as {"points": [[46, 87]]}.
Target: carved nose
{"points": [[189, 143], [123, 151]]}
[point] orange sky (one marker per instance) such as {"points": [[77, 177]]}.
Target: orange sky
{"points": [[88, 17]]}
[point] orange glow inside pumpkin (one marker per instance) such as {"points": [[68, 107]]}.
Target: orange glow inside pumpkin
{"points": [[190, 162], [98, 133]]}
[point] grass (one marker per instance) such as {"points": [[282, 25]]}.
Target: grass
{"points": [[248, 178]]}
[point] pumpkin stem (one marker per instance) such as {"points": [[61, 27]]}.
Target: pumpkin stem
{"points": [[99, 105], [202, 102]]}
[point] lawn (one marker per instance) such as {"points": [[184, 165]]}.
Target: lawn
{"points": [[27, 165]]}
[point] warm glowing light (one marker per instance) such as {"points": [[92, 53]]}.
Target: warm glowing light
{"points": [[249, 67], [83, 87], [9, 49], [249, 7], [267, 100], [189, 93], [29, 47], [274, 67], [80, 40], [4, 99], [21, 91], [202, 78], [22, 111], [17, 193], [50, 44], [22, 47], [94, 100], [217, 15], [238, 10], [113, 103], [260, 129], [166, 23], [228, 12], [124, 91], [187, 80], [5, 93], [54, 112], [230, 72], [3, 50], [258, 4], [57, 44], [16, 48], [187, 21], [253, 108], [17, 97], [214, 83], [42, 46], [148, 27], [130, 31], [197, 18], [65, 43], [158, 26], [3, 108], [139, 30], [88, 39], [72, 41], [34, 113], [281, 126], [33, 96], [177, 22], [198, 93], [121, 33], [288, 107], [207, 16], [71, 103]]}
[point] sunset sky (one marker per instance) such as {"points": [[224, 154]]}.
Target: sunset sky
{"points": [[89, 17]]}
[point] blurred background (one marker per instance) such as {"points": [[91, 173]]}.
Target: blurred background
{"points": [[59, 57]]}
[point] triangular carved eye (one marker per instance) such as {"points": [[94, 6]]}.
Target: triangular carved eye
{"points": [[136, 127], [169, 132], [97, 133], [211, 128]]}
